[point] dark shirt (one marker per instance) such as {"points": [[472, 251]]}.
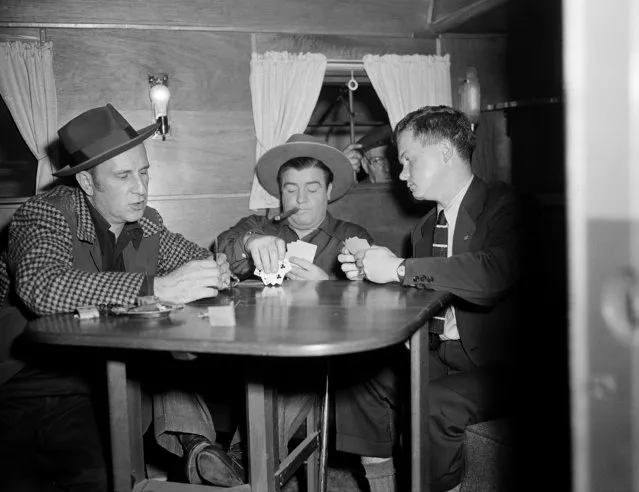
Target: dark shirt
{"points": [[329, 238], [112, 250]]}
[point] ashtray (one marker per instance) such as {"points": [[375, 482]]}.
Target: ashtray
{"points": [[153, 310]]}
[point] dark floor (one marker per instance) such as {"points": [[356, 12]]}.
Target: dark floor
{"points": [[345, 473]]}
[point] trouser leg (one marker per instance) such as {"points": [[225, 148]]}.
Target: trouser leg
{"points": [[180, 412], [460, 395], [49, 433], [70, 446], [366, 402]]}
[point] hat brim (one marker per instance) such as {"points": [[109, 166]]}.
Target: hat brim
{"points": [[269, 164], [377, 138], [104, 156]]}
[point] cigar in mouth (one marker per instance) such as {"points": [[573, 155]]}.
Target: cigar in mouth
{"points": [[285, 215]]}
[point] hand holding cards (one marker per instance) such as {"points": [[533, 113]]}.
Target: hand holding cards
{"points": [[351, 257], [301, 249], [274, 278], [356, 245]]}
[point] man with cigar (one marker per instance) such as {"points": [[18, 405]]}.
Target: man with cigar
{"points": [[95, 243], [306, 174]]}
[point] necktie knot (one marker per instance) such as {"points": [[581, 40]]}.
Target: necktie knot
{"points": [[441, 218]]}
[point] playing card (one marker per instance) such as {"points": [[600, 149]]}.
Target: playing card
{"points": [[356, 245], [275, 278], [301, 249]]}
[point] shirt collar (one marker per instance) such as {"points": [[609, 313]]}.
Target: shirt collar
{"points": [[452, 209], [102, 226]]}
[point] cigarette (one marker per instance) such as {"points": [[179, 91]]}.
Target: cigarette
{"points": [[285, 215]]}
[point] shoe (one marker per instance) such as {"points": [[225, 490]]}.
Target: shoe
{"points": [[206, 462], [237, 458]]}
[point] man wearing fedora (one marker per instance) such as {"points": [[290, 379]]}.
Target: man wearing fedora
{"points": [[96, 243], [373, 155]]}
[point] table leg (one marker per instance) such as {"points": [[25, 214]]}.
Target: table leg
{"points": [[312, 464], [419, 359], [119, 426], [125, 423], [261, 410], [324, 434], [136, 432]]}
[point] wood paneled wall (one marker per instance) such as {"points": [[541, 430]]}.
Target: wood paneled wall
{"points": [[489, 55], [201, 176], [358, 17]]}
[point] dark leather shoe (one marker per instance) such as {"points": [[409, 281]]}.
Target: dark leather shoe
{"points": [[237, 458], [207, 462]]}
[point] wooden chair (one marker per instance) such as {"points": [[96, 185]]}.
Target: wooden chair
{"points": [[266, 473]]}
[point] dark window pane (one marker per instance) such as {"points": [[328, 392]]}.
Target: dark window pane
{"points": [[18, 166]]}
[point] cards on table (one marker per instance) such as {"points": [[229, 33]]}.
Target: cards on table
{"points": [[356, 245], [274, 278], [301, 249]]}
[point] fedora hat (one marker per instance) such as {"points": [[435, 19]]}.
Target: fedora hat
{"points": [[377, 137], [96, 136], [302, 145]]}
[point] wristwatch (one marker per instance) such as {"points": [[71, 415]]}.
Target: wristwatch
{"points": [[401, 271]]}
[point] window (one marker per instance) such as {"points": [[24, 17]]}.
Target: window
{"points": [[18, 166], [331, 121]]}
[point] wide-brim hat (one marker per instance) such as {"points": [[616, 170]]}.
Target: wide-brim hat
{"points": [[302, 145], [377, 137], [97, 135]]}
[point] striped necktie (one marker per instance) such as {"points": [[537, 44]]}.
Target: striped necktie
{"points": [[440, 249]]}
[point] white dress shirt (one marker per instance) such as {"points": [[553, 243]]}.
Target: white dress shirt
{"points": [[451, 211]]}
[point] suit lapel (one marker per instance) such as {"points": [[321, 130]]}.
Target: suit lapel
{"points": [[423, 235], [86, 229], [470, 208]]}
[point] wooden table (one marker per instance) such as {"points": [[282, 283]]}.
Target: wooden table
{"points": [[300, 319]]}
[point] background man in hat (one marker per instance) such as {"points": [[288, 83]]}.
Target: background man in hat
{"points": [[468, 245], [374, 154], [96, 244]]}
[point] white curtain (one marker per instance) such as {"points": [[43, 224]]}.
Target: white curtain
{"points": [[406, 83], [27, 86], [284, 92]]}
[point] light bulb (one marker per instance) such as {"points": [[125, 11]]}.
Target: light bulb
{"points": [[160, 96], [470, 92]]}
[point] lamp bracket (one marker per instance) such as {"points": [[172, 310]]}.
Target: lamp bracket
{"points": [[158, 78]]}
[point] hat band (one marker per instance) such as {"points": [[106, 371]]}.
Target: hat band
{"points": [[103, 145]]}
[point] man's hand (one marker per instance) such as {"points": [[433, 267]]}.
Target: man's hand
{"points": [[266, 251], [354, 156], [305, 270], [349, 265], [379, 264], [195, 280], [225, 270]]}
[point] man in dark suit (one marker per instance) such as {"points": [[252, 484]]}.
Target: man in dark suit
{"points": [[467, 245]]}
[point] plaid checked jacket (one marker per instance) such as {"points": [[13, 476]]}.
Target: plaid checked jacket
{"points": [[46, 236]]}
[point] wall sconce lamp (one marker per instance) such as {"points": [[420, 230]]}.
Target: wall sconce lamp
{"points": [[159, 94], [470, 96]]}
